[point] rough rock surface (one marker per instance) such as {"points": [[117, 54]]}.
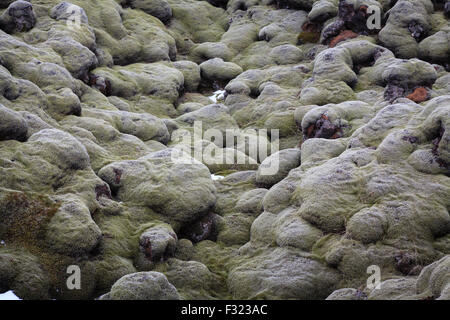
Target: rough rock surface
{"points": [[143, 286], [115, 113]]}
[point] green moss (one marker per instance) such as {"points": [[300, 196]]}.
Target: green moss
{"points": [[193, 280], [308, 37], [24, 217], [225, 172], [283, 121], [218, 258]]}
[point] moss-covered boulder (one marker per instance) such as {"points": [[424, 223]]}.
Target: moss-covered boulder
{"points": [[159, 8], [71, 230], [12, 125], [346, 294], [434, 280], [156, 80], [213, 116], [156, 244], [181, 191], [210, 50], [218, 70], [194, 279], [143, 286], [276, 167], [408, 23], [191, 73], [435, 48], [21, 272], [60, 148], [105, 104], [251, 201], [282, 274], [19, 16]]}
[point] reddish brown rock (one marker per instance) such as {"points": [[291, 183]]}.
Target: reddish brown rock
{"points": [[419, 95], [323, 128], [344, 35]]}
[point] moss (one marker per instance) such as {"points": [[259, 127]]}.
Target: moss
{"points": [[283, 122], [193, 280], [235, 229], [324, 91], [25, 217], [186, 25], [121, 233], [21, 271], [280, 274], [225, 173], [143, 286], [377, 193], [308, 37], [218, 258]]}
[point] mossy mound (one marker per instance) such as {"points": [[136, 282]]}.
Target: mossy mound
{"points": [[100, 168]]}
